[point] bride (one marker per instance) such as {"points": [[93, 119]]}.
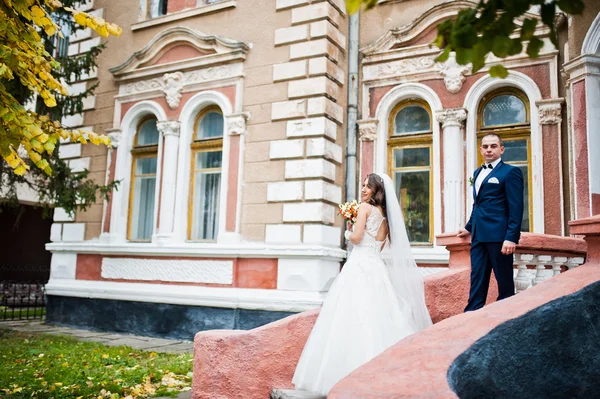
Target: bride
{"points": [[376, 300]]}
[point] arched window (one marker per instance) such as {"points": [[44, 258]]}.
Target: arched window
{"points": [[143, 181], [506, 113], [205, 185], [410, 161]]}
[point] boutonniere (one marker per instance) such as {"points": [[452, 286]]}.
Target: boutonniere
{"points": [[471, 181]]}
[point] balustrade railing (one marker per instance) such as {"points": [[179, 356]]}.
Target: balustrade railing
{"points": [[538, 257]]}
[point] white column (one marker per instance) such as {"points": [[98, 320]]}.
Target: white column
{"points": [[115, 137], [170, 131], [453, 144]]}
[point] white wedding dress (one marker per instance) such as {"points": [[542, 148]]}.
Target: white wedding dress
{"points": [[361, 317]]}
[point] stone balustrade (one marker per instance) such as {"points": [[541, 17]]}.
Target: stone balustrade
{"points": [[538, 257]]}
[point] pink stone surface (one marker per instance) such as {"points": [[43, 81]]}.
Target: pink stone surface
{"points": [[416, 367], [247, 364], [580, 144], [553, 223], [232, 183]]}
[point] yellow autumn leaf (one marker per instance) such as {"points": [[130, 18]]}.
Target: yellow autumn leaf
{"points": [[50, 101], [102, 30], [20, 171], [37, 11], [114, 29], [34, 156]]}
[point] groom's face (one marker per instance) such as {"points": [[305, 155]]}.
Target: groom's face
{"points": [[491, 148]]}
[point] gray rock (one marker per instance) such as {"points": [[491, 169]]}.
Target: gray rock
{"points": [[549, 352]]}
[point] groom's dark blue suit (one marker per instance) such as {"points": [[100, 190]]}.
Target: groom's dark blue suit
{"points": [[496, 217]]}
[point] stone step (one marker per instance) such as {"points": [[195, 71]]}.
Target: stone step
{"points": [[295, 394]]}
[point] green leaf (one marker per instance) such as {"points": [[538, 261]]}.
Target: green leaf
{"points": [[528, 28], [501, 46], [464, 56], [498, 71], [534, 47], [443, 56]]}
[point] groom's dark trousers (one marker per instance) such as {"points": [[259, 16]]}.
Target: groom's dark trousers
{"points": [[496, 217]]}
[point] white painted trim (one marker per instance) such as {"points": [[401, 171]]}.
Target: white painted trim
{"points": [[169, 270], [187, 117], [591, 42], [120, 201], [176, 16], [523, 82], [382, 114], [233, 298]]}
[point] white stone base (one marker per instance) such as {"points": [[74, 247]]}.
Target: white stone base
{"points": [[306, 274], [242, 298]]}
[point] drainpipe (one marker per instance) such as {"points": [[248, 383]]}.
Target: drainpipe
{"points": [[352, 110]]}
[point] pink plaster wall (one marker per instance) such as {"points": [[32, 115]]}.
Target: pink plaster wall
{"points": [[247, 364], [366, 159], [232, 183], [552, 179], [178, 53], [582, 182], [178, 5]]}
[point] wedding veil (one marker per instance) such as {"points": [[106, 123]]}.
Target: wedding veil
{"points": [[402, 268]]}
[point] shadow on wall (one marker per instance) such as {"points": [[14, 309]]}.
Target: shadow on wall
{"points": [[549, 352]]}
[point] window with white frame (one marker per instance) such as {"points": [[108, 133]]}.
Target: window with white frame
{"points": [[143, 181], [410, 163], [505, 112], [205, 184]]}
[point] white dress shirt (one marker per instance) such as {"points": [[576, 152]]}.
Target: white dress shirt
{"points": [[483, 174]]}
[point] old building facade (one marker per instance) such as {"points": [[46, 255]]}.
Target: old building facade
{"points": [[238, 127]]}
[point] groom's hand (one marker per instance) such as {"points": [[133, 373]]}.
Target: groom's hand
{"points": [[463, 233], [508, 247]]}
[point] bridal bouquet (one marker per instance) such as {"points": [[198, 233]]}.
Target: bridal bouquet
{"points": [[349, 210]]}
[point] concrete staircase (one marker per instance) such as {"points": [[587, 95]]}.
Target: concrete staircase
{"points": [[294, 394]]}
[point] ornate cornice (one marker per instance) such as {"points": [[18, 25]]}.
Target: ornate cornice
{"points": [[367, 129], [452, 117], [202, 42]]}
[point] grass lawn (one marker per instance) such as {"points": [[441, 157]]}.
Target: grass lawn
{"points": [[48, 366]]}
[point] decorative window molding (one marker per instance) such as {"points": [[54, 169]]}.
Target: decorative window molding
{"points": [[210, 50], [532, 94], [410, 133], [385, 112], [175, 16]]}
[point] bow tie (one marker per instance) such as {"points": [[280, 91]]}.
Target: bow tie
{"points": [[489, 166]]}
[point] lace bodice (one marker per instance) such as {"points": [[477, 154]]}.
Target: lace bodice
{"points": [[371, 228]]}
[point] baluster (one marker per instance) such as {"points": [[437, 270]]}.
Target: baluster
{"points": [[540, 266], [557, 262], [574, 262], [522, 281]]}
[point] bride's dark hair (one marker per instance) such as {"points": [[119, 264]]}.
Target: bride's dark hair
{"points": [[375, 183]]}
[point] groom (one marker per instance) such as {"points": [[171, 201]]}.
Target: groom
{"points": [[495, 223]]}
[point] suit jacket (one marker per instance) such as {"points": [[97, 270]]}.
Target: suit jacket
{"points": [[497, 207]]}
